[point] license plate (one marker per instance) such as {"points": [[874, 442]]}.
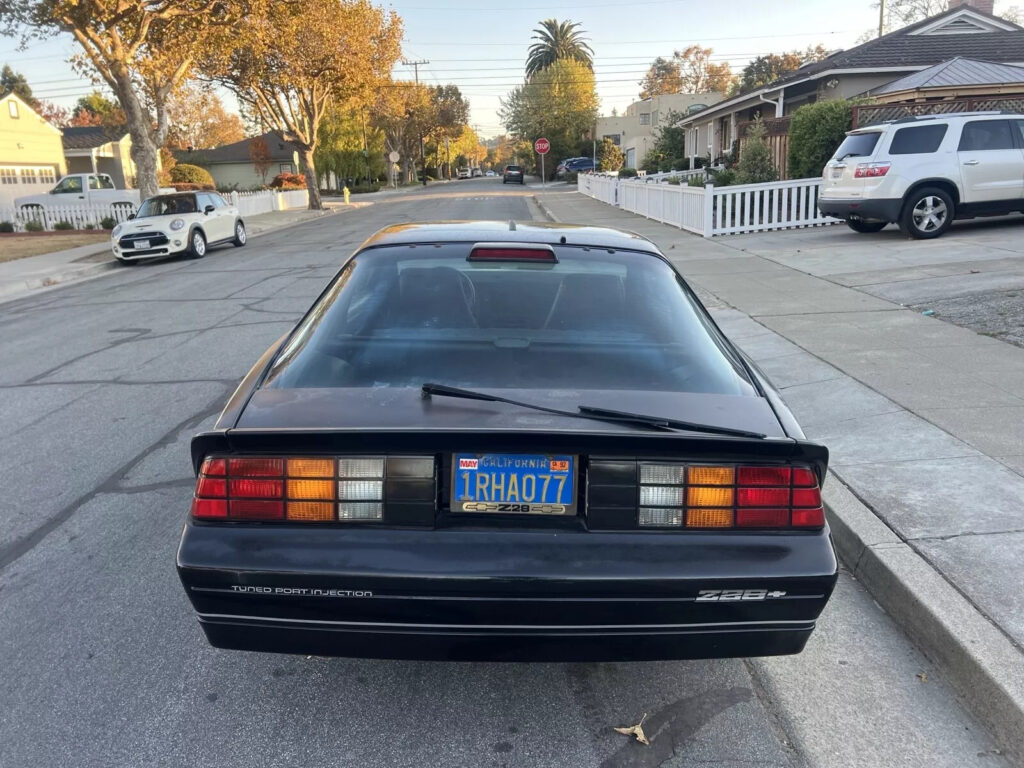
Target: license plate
{"points": [[515, 483], [141, 244]]}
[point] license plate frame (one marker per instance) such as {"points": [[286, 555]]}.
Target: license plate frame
{"points": [[142, 245], [548, 498]]}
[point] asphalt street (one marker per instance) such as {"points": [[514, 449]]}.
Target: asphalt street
{"points": [[102, 663]]}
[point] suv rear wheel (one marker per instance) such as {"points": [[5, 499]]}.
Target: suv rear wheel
{"points": [[866, 227], [927, 213]]}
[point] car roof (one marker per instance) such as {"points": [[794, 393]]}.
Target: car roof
{"points": [[508, 232]]}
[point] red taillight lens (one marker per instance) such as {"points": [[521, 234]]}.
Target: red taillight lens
{"points": [[255, 489], [870, 170], [762, 518], [256, 467], [809, 518], [245, 509], [762, 497], [764, 476], [804, 478], [806, 497], [212, 487], [209, 508], [216, 467]]}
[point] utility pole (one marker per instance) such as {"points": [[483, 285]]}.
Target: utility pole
{"points": [[416, 69], [881, 17]]}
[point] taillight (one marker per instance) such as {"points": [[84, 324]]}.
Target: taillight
{"points": [[870, 170], [313, 489], [726, 496]]}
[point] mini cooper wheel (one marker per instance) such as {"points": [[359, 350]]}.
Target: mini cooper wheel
{"points": [[196, 245], [927, 213], [866, 227], [240, 237]]}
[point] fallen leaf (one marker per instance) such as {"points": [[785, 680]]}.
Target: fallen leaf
{"points": [[975, 271], [922, 676], [636, 730]]}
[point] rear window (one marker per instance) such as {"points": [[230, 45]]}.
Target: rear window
{"points": [[857, 145], [400, 316], [917, 140], [513, 168]]}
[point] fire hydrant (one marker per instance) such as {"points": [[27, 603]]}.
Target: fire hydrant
{"points": [[345, 192]]}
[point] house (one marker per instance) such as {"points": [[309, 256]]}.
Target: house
{"points": [[232, 166], [101, 149], [31, 157], [967, 29], [635, 131]]}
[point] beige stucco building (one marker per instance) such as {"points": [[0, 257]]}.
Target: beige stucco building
{"points": [[31, 155], [634, 131]]}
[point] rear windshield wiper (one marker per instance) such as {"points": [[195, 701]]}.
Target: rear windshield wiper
{"points": [[590, 412]]}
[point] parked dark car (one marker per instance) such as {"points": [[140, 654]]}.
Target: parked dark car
{"points": [[513, 175], [508, 442], [576, 165]]}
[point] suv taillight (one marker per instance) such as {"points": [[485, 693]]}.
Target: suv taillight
{"points": [[871, 170]]}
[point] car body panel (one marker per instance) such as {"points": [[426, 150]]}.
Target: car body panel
{"points": [[430, 583]]}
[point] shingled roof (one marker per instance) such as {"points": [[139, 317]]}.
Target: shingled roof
{"points": [[91, 136], [912, 47], [238, 152]]}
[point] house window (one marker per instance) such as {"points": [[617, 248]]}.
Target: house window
{"points": [[286, 168], [47, 176], [645, 118], [12, 108], [28, 176], [8, 176], [615, 137]]}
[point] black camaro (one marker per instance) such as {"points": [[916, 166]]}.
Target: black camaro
{"points": [[512, 442]]}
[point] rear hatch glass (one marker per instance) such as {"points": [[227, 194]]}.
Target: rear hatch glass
{"points": [[399, 316], [857, 145], [839, 179]]}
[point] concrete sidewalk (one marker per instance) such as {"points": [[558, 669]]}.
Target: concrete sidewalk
{"points": [[925, 424], [21, 277]]}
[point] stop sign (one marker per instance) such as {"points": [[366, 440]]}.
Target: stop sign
{"points": [[542, 146]]}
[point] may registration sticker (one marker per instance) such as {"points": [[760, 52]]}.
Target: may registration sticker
{"points": [[517, 483]]}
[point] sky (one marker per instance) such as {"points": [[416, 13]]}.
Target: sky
{"points": [[481, 45]]}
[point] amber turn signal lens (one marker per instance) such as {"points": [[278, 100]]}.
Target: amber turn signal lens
{"points": [[311, 489], [311, 467], [711, 476], [709, 518], [709, 497], [310, 510]]}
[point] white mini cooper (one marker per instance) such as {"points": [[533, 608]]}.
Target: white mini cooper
{"points": [[187, 223]]}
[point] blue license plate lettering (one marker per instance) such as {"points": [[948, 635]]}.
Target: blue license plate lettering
{"points": [[514, 483]]}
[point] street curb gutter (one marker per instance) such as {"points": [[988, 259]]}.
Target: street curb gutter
{"points": [[544, 210], [981, 662]]}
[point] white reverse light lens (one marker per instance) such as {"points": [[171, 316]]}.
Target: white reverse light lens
{"points": [[363, 510], [664, 474], [177, 224], [661, 517], [361, 490], [362, 467], [661, 496]]}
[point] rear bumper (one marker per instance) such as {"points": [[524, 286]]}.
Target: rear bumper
{"points": [[505, 595], [462, 643], [883, 209]]}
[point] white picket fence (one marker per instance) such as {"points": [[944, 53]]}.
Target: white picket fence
{"points": [[91, 216], [78, 216], [711, 211]]}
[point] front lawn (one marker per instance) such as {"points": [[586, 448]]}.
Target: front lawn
{"points": [[21, 246]]}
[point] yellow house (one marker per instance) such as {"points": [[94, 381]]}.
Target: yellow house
{"points": [[31, 151]]}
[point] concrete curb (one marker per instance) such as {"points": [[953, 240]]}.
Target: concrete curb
{"points": [[546, 211], [982, 663]]}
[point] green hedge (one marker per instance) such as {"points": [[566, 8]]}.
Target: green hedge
{"points": [[627, 173], [190, 174], [815, 132]]}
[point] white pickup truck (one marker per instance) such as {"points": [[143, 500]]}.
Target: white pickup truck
{"points": [[81, 189]]}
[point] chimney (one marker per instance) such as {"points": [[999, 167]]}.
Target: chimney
{"points": [[981, 5]]}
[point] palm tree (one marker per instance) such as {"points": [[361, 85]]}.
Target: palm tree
{"points": [[557, 40]]}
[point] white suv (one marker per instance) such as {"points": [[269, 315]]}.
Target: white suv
{"points": [[186, 222], [922, 172]]}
